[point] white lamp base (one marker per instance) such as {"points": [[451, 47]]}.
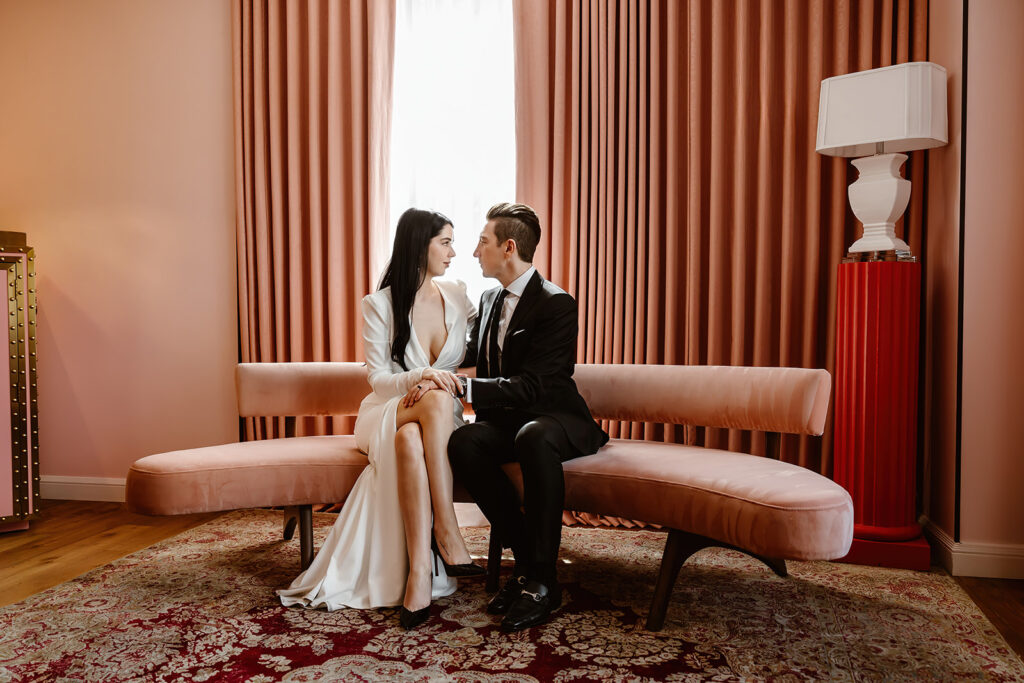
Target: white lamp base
{"points": [[878, 198]]}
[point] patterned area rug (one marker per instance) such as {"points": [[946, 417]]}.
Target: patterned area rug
{"points": [[201, 607]]}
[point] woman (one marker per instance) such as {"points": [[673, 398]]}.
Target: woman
{"points": [[379, 552]]}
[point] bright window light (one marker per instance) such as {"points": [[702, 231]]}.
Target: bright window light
{"points": [[453, 120]]}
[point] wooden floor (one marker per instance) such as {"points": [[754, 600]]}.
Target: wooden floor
{"points": [[1002, 601], [71, 537]]}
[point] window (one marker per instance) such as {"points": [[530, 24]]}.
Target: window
{"points": [[453, 119]]}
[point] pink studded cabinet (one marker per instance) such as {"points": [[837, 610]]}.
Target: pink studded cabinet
{"points": [[19, 443]]}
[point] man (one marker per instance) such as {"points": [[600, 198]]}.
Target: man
{"points": [[528, 410]]}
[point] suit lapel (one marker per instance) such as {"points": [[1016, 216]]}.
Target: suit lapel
{"points": [[529, 299], [490, 296]]}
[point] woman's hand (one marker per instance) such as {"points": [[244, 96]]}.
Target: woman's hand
{"points": [[417, 391], [443, 380]]}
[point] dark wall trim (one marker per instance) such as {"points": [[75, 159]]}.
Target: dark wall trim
{"points": [[960, 283], [922, 344]]}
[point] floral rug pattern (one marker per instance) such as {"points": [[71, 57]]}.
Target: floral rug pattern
{"points": [[201, 607]]}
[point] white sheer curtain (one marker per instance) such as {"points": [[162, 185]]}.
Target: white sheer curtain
{"points": [[453, 122]]}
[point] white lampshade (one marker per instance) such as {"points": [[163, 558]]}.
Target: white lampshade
{"points": [[902, 106]]}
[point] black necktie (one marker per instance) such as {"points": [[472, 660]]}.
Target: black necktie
{"points": [[493, 352]]}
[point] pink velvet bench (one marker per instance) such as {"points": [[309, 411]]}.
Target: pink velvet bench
{"points": [[769, 509]]}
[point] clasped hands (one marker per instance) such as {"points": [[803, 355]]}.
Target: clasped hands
{"points": [[433, 379]]}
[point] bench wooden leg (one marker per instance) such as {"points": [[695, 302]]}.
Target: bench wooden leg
{"points": [[301, 515], [306, 536], [493, 562], [679, 547], [291, 518], [775, 564]]}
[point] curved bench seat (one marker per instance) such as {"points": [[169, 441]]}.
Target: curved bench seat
{"points": [[277, 472], [768, 507]]}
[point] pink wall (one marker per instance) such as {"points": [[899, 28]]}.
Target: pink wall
{"points": [[941, 255], [991, 428], [992, 507], [117, 160]]}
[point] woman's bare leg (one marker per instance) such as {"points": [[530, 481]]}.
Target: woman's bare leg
{"points": [[433, 412], [414, 498]]}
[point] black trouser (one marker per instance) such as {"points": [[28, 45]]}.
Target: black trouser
{"points": [[540, 446]]}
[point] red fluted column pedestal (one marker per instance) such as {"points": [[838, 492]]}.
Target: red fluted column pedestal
{"points": [[875, 456]]}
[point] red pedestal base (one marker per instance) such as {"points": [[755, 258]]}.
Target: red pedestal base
{"points": [[875, 454], [13, 526], [913, 554]]}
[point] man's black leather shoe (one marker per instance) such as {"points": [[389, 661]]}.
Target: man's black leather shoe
{"points": [[505, 596], [533, 606]]}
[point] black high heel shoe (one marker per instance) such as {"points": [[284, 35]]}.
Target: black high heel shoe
{"points": [[410, 620], [457, 570]]}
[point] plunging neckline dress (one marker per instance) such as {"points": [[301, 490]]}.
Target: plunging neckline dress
{"points": [[363, 562]]}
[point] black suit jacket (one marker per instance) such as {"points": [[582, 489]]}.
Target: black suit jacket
{"points": [[537, 362]]}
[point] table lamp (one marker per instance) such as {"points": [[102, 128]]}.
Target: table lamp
{"points": [[876, 115]]}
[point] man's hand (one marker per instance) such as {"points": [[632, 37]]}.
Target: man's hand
{"points": [[432, 380], [443, 380]]}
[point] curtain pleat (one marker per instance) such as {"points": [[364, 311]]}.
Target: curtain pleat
{"points": [[312, 118], [669, 150]]}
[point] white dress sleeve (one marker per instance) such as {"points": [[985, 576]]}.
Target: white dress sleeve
{"points": [[377, 348]]}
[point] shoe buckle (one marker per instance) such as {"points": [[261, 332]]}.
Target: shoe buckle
{"points": [[537, 597]]}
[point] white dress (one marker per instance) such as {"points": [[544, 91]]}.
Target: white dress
{"points": [[363, 562]]}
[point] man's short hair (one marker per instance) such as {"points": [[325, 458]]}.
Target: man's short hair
{"points": [[519, 223]]}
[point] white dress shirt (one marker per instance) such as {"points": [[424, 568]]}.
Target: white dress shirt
{"points": [[508, 307], [515, 293]]}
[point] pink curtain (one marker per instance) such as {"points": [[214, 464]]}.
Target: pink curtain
{"points": [[312, 117], [669, 149]]}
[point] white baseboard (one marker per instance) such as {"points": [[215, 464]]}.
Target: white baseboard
{"points": [[82, 488], [986, 560]]}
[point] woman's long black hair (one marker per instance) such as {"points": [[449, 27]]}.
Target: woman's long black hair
{"points": [[407, 268]]}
